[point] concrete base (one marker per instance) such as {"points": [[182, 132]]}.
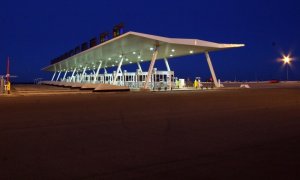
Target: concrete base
{"points": [[89, 86], [109, 87]]}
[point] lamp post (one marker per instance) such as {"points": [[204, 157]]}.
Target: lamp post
{"points": [[287, 61]]}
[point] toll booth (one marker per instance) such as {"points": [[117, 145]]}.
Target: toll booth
{"points": [[160, 80]]}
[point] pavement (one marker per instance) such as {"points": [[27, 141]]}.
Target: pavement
{"points": [[56, 133]]}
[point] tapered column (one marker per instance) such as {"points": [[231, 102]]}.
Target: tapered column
{"points": [[65, 75], [53, 76], [212, 71], [139, 66], [83, 73], [73, 73], [97, 72], [58, 76], [119, 69], [167, 64], [154, 56]]}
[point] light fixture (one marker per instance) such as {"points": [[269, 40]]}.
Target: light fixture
{"points": [[126, 59], [133, 52], [173, 50], [286, 59], [120, 56], [171, 55], [116, 61], [109, 59], [139, 57], [142, 60], [113, 65], [151, 49], [130, 62], [191, 51]]}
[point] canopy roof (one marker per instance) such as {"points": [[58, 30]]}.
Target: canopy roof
{"points": [[135, 47]]}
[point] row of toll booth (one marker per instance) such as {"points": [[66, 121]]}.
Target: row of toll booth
{"points": [[159, 79], [105, 36]]}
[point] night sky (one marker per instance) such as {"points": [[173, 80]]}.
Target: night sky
{"points": [[34, 32]]}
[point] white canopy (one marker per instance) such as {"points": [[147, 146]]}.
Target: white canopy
{"points": [[136, 47]]}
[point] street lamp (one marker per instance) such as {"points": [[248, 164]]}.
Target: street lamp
{"points": [[287, 61]]}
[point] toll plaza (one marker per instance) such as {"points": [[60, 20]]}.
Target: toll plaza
{"points": [[102, 62]]}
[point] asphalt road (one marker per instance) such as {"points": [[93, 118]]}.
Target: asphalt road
{"points": [[223, 134]]}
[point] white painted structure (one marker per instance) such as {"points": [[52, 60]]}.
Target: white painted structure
{"points": [[129, 48]]}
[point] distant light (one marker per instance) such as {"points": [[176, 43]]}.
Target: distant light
{"points": [[286, 59], [126, 59], [139, 57], [113, 65], [109, 59], [191, 52], [142, 60], [171, 55], [173, 50], [130, 62], [120, 56], [151, 49], [134, 53]]}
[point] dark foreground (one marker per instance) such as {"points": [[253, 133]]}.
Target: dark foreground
{"points": [[228, 134]]}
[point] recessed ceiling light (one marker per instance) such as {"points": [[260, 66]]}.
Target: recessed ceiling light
{"points": [[120, 56], [113, 65], [173, 50], [109, 59], [133, 52], [151, 49], [191, 52], [171, 55], [126, 59], [142, 60], [139, 57], [130, 62], [116, 61]]}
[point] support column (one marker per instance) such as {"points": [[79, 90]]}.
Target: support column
{"points": [[53, 76], [139, 66], [58, 76], [97, 72], [82, 75], [167, 64], [65, 75], [154, 56], [211, 68], [117, 73], [72, 77]]}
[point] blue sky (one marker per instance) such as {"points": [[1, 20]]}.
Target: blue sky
{"points": [[34, 32]]}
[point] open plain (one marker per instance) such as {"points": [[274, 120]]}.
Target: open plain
{"points": [[57, 133]]}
